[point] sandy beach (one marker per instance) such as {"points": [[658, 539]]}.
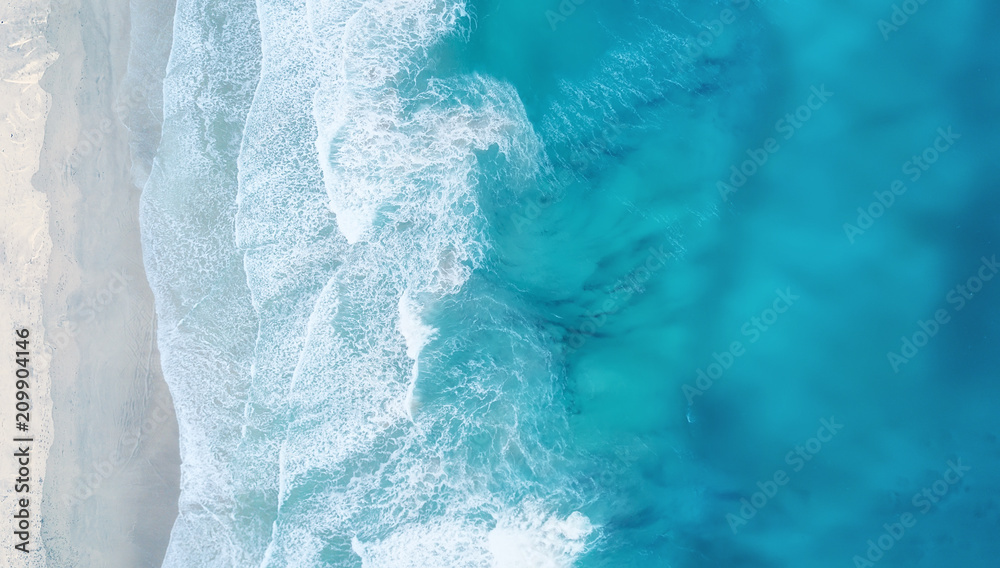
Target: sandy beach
{"points": [[102, 412], [24, 256]]}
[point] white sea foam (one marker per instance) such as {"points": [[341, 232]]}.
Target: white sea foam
{"points": [[416, 334], [320, 435], [539, 541], [441, 543], [526, 538], [414, 331], [206, 323]]}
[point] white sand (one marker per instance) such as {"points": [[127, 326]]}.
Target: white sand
{"points": [[73, 275], [24, 256]]}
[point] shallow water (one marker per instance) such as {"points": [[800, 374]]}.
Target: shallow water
{"points": [[491, 284]]}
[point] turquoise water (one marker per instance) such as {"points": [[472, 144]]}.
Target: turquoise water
{"points": [[514, 284]]}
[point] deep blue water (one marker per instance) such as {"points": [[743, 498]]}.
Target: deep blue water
{"points": [[524, 284]]}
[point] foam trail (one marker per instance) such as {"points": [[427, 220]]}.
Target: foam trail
{"points": [[416, 334]]}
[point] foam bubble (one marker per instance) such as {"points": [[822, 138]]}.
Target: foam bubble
{"points": [[416, 334], [525, 538], [450, 543], [414, 331], [534, 540]]}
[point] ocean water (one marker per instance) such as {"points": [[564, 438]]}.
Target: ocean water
{"points": [[520, 284]]}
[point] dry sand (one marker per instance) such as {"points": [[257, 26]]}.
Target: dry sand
{"points": [[72, 243], [24, 253]]}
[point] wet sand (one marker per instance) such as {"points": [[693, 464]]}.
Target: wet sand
{"points": [[112, 481]]}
